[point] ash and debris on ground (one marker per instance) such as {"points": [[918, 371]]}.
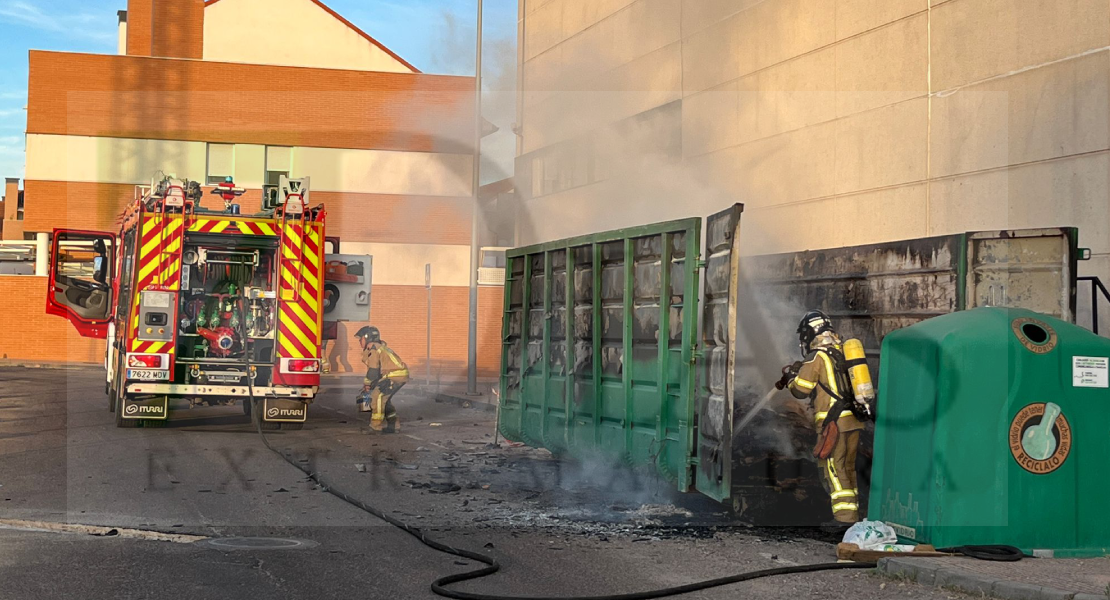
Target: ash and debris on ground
{"points": [[464, 480]]}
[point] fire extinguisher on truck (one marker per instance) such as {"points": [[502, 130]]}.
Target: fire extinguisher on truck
{"points": [[201, 306]]}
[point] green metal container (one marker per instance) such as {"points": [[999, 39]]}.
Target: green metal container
{"points": [[994, 428], [612, 347]]}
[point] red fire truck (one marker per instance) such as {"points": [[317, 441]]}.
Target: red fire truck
{"points": [[201, 306]]}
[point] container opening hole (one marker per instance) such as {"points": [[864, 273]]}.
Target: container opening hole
{"points": [[1035, 333]]}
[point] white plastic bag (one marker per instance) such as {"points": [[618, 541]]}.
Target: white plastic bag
{"points": [[870, 535]]}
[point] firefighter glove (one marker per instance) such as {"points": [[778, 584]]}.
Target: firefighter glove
{"points": [[789, 372]]}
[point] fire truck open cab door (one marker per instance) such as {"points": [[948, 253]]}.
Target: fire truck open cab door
{"points": [[82, 273]]}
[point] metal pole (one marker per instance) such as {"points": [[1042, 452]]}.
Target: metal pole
{"points": [[428, 286], [472, 334], [1094, 306]]}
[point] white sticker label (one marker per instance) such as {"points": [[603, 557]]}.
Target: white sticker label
{"points": [[1090, 371], [902, 530]]}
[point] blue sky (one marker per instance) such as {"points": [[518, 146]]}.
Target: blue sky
{"points": [[435, 35]]}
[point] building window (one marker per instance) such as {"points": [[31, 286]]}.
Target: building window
{"points": [[492, 269], [19, 208], [279, 161], [568, 165], [493, 258], [221, 162]]}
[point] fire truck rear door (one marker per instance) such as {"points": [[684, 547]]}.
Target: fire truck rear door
{"points": [[82, 269]]}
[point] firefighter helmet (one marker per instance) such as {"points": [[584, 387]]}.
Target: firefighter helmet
{"points": [[370, 334], [813, 324]]}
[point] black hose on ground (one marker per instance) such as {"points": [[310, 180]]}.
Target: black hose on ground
{"points": [[992, 552], [439, 586]]}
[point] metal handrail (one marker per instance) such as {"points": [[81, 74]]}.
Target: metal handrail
{"points": [[1096, 287]]}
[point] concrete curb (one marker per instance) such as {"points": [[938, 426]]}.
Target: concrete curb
{"points": [[974, 583], [97, 530]]}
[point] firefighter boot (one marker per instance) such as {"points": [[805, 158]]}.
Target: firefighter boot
{"points": [[393, 424]]}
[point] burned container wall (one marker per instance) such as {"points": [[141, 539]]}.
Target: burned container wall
{"points": [[869, 292], [1034, 269], [598, 342]]}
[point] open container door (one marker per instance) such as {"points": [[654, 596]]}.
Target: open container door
{"points": [[717, 354], [82, 270]]}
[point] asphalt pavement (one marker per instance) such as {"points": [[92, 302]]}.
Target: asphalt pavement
{"points": [[558, 529]]}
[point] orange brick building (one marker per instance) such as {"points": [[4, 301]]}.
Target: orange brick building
{"points": [[256, 89]]}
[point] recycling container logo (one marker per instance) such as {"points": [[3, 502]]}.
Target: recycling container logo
{"points": [[1040, 438]]}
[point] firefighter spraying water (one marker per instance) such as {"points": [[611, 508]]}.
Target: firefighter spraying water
{"points": [[834, 375]]}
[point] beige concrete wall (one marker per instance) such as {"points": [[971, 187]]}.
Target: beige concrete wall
{"points": [[385, 171], [297, 33], [111, 160], [121, 43], [135, 161], [403, 264], [837, 122]]}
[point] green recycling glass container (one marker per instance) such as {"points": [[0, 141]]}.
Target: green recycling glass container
{"points": [[993, 427]]}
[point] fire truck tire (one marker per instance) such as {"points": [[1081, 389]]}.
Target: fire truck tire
{"points": [[256, 418], [113, 387], [125, 423]]}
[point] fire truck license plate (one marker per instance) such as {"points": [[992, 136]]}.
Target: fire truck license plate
{"points": [[147, 375]]}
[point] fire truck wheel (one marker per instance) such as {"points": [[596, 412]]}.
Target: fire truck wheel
{"points": [[256, 418], [113, 387], [122, 422]]}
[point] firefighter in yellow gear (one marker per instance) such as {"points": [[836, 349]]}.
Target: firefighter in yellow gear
{"points": [[823, 378], [386, 373]]}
